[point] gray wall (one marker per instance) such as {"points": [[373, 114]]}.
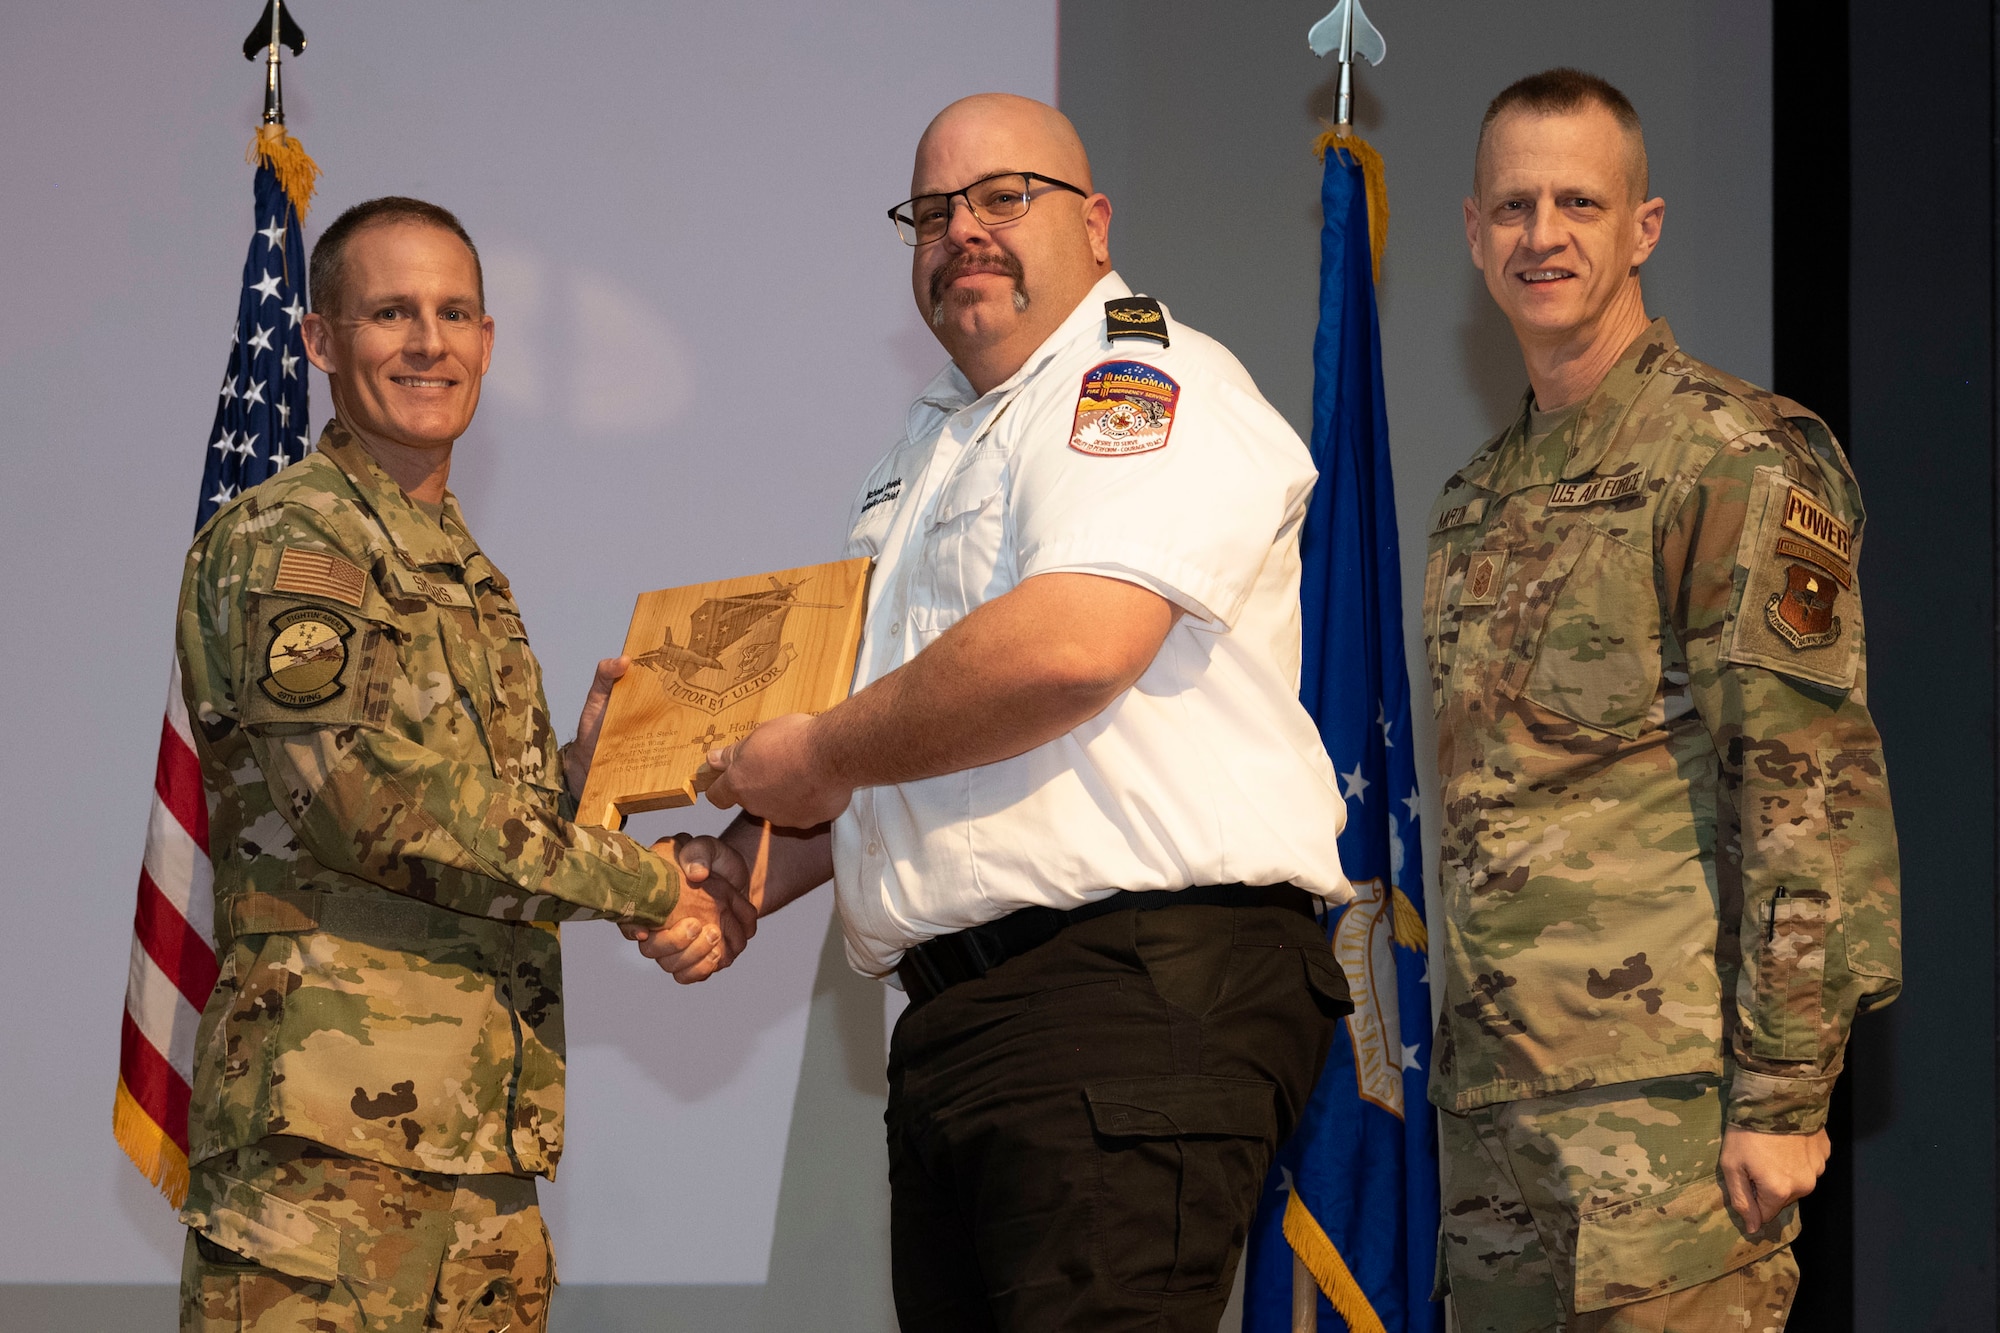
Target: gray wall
{"points": [[705, 338]]}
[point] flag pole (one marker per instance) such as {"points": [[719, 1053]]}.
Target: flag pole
{"points": [[1338, 32], [274, 90], [276, 30], [173, 960]]}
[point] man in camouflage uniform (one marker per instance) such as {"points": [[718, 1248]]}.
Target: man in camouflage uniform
{"points": [[379, 1070], [1668, 868]]}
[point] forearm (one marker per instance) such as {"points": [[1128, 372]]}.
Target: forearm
{"points": [[383, 809], [1816, 853], [785, 864], [1018, 672]]}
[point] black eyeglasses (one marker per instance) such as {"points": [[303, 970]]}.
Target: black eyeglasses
{"points": [[1000, 198]]}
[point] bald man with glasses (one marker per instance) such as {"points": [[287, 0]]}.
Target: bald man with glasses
{"points": [[1073, 807]]}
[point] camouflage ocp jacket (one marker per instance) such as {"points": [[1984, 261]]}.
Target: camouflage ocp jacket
{"points": [[389, 831], [1667, 845]]}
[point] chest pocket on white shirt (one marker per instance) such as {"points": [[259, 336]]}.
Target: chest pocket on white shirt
{"points": [[966, 558]]}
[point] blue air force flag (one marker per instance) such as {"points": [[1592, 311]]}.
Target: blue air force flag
{"points": [[1354, 1194]]}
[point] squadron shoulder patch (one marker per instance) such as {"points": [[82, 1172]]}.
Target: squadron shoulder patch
{"points": [[1135, 317], [1797, 557], [307, 657], [320, 574], [1802, 611], [1817, 547], [1124, 407]]}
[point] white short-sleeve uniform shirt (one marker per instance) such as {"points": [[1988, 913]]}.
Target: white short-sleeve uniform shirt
{"points": [[1160, 466]]}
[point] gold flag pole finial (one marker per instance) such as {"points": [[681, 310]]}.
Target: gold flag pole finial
{"points": [[297, 173]]}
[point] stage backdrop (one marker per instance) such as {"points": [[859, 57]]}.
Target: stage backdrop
{"points": [[705, 337]]}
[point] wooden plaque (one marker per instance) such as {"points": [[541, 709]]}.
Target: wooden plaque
{"points": [[709, 662]]}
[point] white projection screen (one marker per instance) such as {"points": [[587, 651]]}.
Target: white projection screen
{"points": [[705, 337]]}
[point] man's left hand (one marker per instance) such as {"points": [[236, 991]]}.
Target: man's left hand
{"points": [[579, 752], [772, 774], [1764, 1173]]}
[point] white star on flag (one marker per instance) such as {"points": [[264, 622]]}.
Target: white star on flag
{"points": [[224, 442], [1414, 803], [224, 494], [261, 339], [1382, 721], [278, 454], [254, 394], [1410, 1060], [1356, 784], [229, 388], [284, 412], [269, 286], [248, 448], [290, 363], [274, 235], [296, 311]]}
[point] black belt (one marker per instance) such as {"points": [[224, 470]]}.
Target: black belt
{"points": [[936, 965]]}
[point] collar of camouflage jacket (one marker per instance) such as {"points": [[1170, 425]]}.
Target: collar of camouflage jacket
{"points": [[417, 539], [1595, 429]]}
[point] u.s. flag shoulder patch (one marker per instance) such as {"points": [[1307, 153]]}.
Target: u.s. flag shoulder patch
{"points": [[1124, 407], [320, 574]]}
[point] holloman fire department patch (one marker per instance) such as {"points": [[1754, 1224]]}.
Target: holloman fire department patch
{"points": [[1125, 407], [307, 657]]}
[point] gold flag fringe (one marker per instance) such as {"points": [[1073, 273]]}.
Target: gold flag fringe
{"points": [[1409, 927], [1370, 162], [1310, 1243], [297, 172], [158, 1157]]}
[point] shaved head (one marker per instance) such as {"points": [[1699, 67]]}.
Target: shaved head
{"points": [[993, 290], [1039, 137]]}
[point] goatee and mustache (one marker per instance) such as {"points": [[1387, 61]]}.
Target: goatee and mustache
{"points": [[998, 261]]}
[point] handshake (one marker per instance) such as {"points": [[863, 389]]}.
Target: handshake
{"points": [[722, 892], [715, 917]]}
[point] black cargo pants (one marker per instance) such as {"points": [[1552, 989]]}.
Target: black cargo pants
{"points": [[1077, 1139]]}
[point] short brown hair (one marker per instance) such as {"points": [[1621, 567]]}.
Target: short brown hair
{"points": [[329, 257], [1559, 92]]}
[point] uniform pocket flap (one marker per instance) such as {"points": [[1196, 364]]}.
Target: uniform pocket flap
{"points": [[1179, 1105], [1328, 980], [1641, 1248]]}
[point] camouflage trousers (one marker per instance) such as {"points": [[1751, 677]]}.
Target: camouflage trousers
{"points": [[289, 1235], [1601, 1211]]}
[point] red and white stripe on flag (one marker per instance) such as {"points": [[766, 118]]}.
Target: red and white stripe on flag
{"points": [[173, 963]]}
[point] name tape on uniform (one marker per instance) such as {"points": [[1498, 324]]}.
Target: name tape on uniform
{"points": [[1569, 494], [1459, 515]]}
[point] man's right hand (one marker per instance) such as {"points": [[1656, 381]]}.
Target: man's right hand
{"points": [[715, 917]]}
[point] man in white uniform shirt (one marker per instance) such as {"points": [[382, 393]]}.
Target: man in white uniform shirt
{"points": [[1074, 805]]}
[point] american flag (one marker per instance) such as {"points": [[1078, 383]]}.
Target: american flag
{"points": [[260, 426]]}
